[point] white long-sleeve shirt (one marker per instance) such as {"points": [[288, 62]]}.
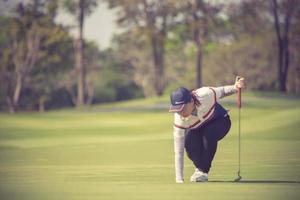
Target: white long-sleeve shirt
{"points": [[207, 97]]}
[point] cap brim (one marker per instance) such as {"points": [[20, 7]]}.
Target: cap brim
{"points": [[176, 108]]}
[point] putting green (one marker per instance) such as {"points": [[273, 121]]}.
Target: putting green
{"points": [[98, 154]]}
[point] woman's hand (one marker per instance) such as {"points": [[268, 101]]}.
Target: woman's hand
{"points": [[239, 82]]}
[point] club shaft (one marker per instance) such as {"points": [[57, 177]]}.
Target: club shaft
{"points": [[239, 130], [239, 104]]}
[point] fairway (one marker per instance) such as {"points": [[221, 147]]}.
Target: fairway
{"points": [[125, 151]]}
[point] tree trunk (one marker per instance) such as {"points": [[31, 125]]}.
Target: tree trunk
{"points": [[10, 105], [283, 43], [286, 53], [297, 81], [200, 32], [157, 43], [79, 59], [41, 104], [199, 68], [90, 93], [71, 92], [157, 40], [17, 91], [198, 58], [281, 80]]}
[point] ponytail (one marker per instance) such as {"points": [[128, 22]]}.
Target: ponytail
{"points": [[195, 99]]}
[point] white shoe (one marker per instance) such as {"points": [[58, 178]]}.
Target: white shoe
{"points": [[199, 176], [179, 181]]}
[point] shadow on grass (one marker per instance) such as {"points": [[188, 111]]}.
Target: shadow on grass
{"points": [[256, 181]]}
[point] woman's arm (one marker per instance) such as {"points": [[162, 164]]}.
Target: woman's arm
{"points": [[179, 137], [224, 91]]}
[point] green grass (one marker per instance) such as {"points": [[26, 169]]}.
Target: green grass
{"points": [[98, 154]]}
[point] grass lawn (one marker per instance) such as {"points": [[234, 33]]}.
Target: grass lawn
{"points": [[125, 151]]}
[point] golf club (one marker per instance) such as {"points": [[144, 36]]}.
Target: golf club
{"points": [[239, 104]]}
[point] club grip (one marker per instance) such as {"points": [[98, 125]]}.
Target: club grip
{"points": [[239, 98]]}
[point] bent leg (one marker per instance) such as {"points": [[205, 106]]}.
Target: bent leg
{"points": [[212, 133], [194, 146]]}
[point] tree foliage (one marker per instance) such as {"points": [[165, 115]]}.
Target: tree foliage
{"points": [[42, 66], [151, 20], [27, 39]]}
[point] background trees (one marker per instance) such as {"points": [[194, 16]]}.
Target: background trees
{"points": [[26, 42], [80, 9], [284, 14], [164, 44], [151, 21]]}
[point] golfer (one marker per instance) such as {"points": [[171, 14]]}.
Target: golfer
{"points": [[199, 123]]}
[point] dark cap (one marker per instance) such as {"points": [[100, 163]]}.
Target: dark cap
{"points": [[179, 98]]}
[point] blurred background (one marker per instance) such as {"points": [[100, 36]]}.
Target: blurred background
{"points": [[71, 53], [90, 81]]}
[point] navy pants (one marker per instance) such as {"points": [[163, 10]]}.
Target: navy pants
{"points": [[201, 143]]}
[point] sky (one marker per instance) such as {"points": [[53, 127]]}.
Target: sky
{"points": [[99, 27]]}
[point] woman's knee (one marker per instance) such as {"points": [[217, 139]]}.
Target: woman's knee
{"points": [[226, 128], [217, 130], [209, 141]]}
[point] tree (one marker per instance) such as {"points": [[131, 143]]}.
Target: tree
{"points": [[24, 48], [80, 9], [45, 77], [130, 50], [29, 52], [199, 15], [258, 18], [293, 82], [6, 65], [151, 19], [114, 80], [283, 13]]}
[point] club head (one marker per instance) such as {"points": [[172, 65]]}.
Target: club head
{"points": [[238, 178]]}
